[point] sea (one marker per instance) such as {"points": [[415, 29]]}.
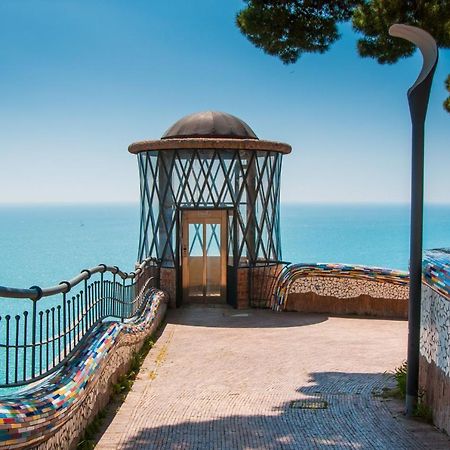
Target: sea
{"points": [[44, 244]]}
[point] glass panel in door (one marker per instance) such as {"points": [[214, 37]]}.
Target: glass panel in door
{"points": [[213, 260], [195, 259]]}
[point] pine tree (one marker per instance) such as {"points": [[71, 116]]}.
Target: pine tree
{"points": [[447, 100], [289, 28]]}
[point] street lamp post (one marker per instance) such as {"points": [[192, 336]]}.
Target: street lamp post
{"points": [[418, 96]]}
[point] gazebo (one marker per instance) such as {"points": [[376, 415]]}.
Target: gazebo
{"points": [[210, 210]]}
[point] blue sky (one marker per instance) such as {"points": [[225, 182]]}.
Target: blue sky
{"points": [[82, 79]]}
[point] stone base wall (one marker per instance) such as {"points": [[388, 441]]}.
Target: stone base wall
{"points": [[168, 283], [346, 296], [434, 371], [364, 305], [54, 414], [242, 288], [434, 384]]}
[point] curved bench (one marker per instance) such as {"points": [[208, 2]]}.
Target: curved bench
{"points": [[343, 289], [53, 413]]}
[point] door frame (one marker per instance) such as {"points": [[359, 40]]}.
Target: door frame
{"points": [[204, 216]]}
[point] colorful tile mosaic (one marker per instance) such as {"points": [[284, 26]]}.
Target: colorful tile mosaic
{"points": [[327, 271], [435, 309], [37, 412], [436, 270]]}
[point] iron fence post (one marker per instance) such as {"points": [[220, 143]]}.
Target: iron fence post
{"points": [[64, 324], [123, 300], [25, 331], [102, 293], [33, 330], [113, 299]]}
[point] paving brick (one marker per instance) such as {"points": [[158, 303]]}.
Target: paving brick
{"points": [[225, 379]]}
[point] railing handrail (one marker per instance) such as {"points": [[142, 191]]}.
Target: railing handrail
{"points": [[36, 343], [262, 263], [36, 292]]}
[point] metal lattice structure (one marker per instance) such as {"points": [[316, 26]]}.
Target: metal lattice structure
{"points": [[247, 183]]}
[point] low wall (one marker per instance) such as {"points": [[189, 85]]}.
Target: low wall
{"points": [[434, 372], [343, 290], [54, 413]]}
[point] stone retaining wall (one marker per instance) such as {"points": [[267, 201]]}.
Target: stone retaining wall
{"points": [[54, 413], [342, 289]]}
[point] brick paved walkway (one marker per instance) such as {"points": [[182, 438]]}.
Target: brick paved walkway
{"points": [[225, 379]]}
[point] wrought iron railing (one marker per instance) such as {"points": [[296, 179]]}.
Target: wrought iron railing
{"points": [[39, 340], [262, 279], [263, 282]]}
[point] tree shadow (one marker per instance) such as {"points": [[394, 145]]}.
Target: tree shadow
{"points": [[346, 383], [336, 410], [227, 317]]}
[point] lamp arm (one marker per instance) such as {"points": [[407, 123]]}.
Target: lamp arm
{"points": [[419, 92]]}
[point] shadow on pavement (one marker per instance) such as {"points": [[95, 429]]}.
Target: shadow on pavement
{"points": [[227, 317], [349, 416]]}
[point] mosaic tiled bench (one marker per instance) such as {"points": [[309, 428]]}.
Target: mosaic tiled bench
{"points": [[343, 289], [54, 413]]}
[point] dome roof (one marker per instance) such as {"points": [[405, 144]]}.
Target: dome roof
{"points": [[210, 124]]}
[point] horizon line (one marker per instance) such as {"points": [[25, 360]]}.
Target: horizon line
{"points": [[287, 202]]}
